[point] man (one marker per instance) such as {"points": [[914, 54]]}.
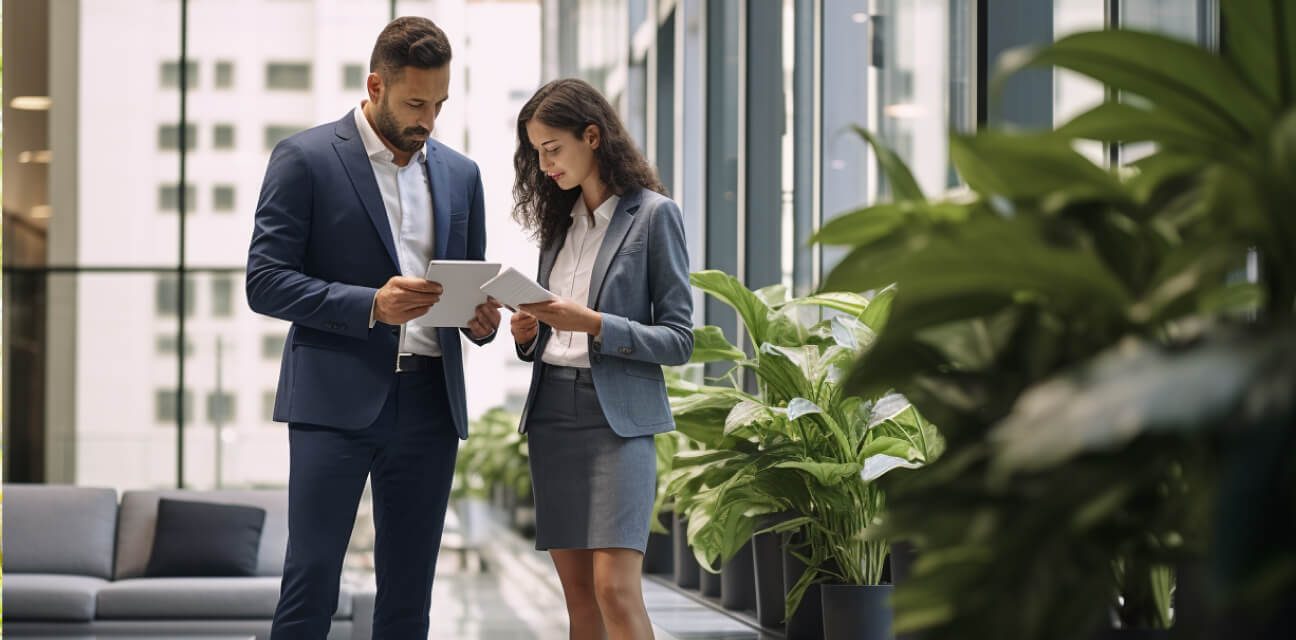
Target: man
{"points": [[349, 215]]}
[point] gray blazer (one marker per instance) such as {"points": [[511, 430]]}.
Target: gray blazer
{"points": [[640, 284]]}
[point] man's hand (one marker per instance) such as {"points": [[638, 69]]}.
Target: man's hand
{"points": [[402, 299], [486, 321], [566, 315], [524, 327]]}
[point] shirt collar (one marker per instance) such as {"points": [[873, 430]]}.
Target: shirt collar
{"points": [[373, 144], [604, 211]]}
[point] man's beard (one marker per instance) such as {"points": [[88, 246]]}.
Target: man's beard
{"points": [[406, 139]]}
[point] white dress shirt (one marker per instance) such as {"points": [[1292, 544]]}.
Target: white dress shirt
{"points": [[570, 278], [407, 197]]}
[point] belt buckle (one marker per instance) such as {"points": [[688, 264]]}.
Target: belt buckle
{"points": [[399, 357]]}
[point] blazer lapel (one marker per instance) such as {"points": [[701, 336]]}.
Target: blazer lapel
{"points": [[616, 233], [439, 180], [547, 259], [351, 151]]}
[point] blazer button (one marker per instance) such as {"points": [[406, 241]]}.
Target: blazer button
{"points": [[626, 350]]}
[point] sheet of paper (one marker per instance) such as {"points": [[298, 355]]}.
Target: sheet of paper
{"points": [[462, 281], [512, 288]]}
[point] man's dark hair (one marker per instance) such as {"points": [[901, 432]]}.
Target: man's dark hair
{"points": [[409, 42]]}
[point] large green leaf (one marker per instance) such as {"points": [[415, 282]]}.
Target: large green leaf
{"points": [[727, 289], [852, 304], [1174, 75], [710, 345], [987, 256], [1120, 122], [701, 416], [865, 225], [745, 414], [879, 309], [1254, 29], [826, 473], [1022, 167], [894, 169], [1137, 389]]}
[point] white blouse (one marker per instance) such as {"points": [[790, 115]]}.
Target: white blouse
{"points": [[570, 278]]}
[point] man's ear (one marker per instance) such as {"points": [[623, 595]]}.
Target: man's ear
{"points": [[593, 136], [374, 85]]}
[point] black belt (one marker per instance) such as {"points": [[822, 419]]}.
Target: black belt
{"points": [[570, 374], [411, 363]]}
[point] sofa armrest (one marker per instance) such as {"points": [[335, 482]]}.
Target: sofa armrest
{"points": [[362, 614]]}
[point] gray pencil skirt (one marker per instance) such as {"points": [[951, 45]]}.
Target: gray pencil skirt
{"points": [[593, 489]]}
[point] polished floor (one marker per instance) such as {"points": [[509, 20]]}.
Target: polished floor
{"points": [[502, 589]]}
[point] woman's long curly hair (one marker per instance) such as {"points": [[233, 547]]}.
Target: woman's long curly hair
{"points": [[540, 206]]}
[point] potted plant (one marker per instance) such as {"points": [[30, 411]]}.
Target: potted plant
{"points": [[1108, 375], [798, 445]]}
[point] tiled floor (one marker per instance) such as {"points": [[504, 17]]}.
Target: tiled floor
{"points": [[517, 596]]}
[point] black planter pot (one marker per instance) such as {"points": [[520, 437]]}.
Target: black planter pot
{"points": [[686, 566], [806, 623], [709, 584], [738, 581], [659, 556], [767, 561], [856, 612]]}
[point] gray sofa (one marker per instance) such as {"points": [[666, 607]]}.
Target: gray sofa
{"points": [[74, 560]]}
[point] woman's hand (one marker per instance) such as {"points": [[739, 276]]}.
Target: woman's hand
{"points": [[566, 315], [524, 327]]}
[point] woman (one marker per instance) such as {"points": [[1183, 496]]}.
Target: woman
{"points": [[612, 249]]}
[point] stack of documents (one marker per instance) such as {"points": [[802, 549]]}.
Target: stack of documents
{"points": [[468, 283]]}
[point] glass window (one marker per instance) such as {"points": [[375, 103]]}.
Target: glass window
{"points": [[272, 346], [164, 401], [223, 197], [722, 117], [292, 76], [267, 405], [224, 74], [166, 345], [169, 198], [220, 407], [223, 136], [354, 76], [167, 295], [171, 74], [274, 133], [169, 137], [222, 288]]}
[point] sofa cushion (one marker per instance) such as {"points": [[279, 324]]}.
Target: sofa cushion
{"points": [[50, 597], [205, 539], [201, 598], [138, 519], [59, 529]]}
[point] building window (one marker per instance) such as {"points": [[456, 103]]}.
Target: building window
{"points": [[291, 76], [169, 198], [353, 76], [272, 346], [267, 405], [164, 401], [169, 137], [167, 295], [223, 136], [171, 74], [224, 74], [274, 133], [222, 296], [166, 346], [220, 407], [223, 197]]}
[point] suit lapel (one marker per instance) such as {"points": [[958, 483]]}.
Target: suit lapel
{"points": [[616, 233], [351, 151], [439, 180], [547, 259]]}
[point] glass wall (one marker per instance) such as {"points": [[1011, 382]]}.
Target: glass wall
{"points": [[101, 310]]}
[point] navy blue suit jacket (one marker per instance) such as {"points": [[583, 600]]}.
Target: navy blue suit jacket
{"points": [[322, 247]]}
